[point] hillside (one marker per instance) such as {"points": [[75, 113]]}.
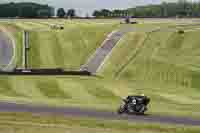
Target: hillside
{"points": [[161, 64], [162, 57], [51, 48], [69, 48]]}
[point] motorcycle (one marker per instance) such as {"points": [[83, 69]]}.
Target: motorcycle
{"points": [[134, 105]]}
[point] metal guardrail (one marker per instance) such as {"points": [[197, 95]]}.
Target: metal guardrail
{"points": [[46, 72]]}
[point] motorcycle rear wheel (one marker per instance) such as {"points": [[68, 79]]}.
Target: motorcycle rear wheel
{"points": [[142, 110], [120, 111]]}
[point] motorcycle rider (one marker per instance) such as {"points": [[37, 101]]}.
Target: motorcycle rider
{"points": [[135, 104], [130, 99]]}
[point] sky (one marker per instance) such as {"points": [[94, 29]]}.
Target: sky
{"points": [[87, 6]]}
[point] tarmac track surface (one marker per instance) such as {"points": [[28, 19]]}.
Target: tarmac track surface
{"points": [[97, 59], [6, 55], [6, 50], [97, 114], [93, 64]]}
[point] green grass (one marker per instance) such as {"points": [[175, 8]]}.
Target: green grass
{"points": [[51, 48], [156, 57], [69, 48], [126, 51], [18, 123], [103, 94], [6, 88], [51, 89], [162, 65]]}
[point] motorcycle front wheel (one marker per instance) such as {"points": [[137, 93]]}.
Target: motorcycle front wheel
{"points": [[121, 109]]}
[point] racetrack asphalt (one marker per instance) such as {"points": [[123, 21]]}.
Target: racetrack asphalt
{"points": [[93, 65], [6, 50], [96, 114], [98, 58]]}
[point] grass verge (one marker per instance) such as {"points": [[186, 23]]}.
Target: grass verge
{"points": [[30, 123]]}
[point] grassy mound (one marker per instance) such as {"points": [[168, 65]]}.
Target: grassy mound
{"points": [[163, 65], [51, 48], [165, 57], [19, 123], [69, 48], [99, 93]]}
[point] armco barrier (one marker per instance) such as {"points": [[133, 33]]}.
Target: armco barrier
{"points": [[45, 72]]}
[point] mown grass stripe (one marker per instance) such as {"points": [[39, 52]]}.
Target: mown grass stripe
{"points": [[6, 88], [51, 89]]}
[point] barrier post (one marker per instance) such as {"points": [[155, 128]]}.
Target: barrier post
{"points": [[25, 49]]}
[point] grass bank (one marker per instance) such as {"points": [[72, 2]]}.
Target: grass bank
{"points": [[69, 48], [103, 94], [162, 65], [29, 123]]}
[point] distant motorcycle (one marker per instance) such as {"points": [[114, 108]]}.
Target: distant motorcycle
{"points": [[134, 105]]}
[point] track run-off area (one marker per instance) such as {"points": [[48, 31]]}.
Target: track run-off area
{"points": [[90, 113], [97, 59], [93, 64]]}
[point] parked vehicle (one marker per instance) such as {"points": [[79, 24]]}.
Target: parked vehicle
{"points": [[57, 27], [129, 20], [134, 105]]}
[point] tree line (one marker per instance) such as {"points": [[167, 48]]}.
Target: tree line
{"points": [[182, 8], [61, 13], [32, 10], [26, 10]]}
